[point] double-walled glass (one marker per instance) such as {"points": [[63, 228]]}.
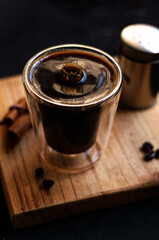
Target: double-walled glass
{"points": [[71, 137]]}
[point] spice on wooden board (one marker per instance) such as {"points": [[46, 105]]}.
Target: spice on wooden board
{"points": [[19, 127], [14, 111], [157, 154], [149, 156], [47, 184], [148, 149], [17, 119], [39, 172]]}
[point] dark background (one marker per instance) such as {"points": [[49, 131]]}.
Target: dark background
{"points": [[28, 26]]}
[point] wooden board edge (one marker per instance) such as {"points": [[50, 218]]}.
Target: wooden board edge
{"points": [[6, 192], [11, 78], [117, 198]]}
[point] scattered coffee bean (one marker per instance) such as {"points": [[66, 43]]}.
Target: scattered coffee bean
{"points": [[147, 147], [47, 183], [149, 156], [39, 172], [157, 154]]}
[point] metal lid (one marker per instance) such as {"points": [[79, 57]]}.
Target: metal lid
{"points": [[140, 42]]}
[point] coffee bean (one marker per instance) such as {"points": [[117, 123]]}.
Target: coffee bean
{"points": [[157, 154], [39, 172], [47, 183], [147, 147], [149, 156]]}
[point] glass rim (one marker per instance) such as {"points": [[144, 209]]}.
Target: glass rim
{"points": [[31, 64]]}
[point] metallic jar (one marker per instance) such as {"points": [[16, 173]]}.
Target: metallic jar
{"points": [[139, 61]]}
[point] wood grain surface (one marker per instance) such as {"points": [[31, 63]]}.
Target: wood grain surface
{"points": [[121, 176]]}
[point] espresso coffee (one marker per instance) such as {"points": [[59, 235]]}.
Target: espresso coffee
{"points": [[71, 121]]}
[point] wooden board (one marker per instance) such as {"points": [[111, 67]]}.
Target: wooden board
{"points": [[121, 176]]}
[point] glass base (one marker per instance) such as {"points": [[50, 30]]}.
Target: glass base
{"points": [[71, 163]]}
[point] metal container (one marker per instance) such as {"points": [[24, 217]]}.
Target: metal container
{"points": [[139, 61]]}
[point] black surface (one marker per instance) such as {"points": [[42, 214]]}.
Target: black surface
{"points": [[27, 26]]}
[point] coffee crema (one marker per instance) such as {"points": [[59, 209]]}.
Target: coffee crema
{"points": [[98, 78]]}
